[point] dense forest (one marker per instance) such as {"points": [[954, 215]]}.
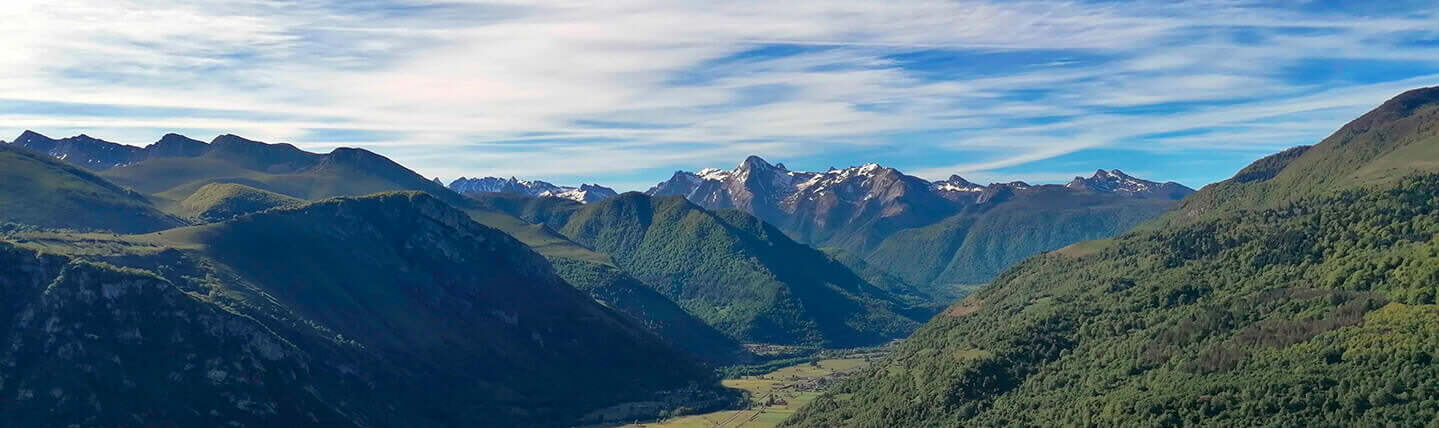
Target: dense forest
{"points": [[1316, 313], [1301, 292]]}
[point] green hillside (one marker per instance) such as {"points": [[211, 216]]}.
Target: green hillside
{"points": [[40, 191], [1395, 140], [736, 273], [223, 201], [627, 295], [974, 247], [1299, 293], [387, 310], [278, 168]]}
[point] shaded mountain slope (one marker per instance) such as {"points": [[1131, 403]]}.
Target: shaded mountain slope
{"points": [[1311, 306], [38, 190], [93, 344], [393, 310]]}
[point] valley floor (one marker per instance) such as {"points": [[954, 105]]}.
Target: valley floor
{"points": [[773, 396]]}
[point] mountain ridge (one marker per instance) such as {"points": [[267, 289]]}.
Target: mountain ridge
{"points": [[875, 214], [585, 193]]}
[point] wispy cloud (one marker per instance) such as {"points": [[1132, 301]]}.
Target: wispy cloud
{"points": [[571, 91]]}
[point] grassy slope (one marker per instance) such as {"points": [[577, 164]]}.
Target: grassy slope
{"points": [[1301, 292], [1396, 139], [223, 201], [275, 168], [736, 273], [38, 190]]}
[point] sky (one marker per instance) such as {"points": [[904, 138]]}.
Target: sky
{"points": [[623, 92]]}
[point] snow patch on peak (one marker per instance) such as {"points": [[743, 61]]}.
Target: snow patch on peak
{"points": [[714, 174], [586, 193]]}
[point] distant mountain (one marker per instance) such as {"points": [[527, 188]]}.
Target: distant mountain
{"points": [[175, 167], [729, 269], [976, 245], [1299, 292], [37, 190], [876, 214], [1117, 182], [847, 208], [99, 155], [388, 310], [585, 194]]}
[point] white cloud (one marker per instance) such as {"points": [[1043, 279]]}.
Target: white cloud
{"points": [[451, 80]]}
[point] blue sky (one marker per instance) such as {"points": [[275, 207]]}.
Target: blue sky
{"points": [[623, 93]]}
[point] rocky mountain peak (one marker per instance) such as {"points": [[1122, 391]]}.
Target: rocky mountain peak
{"points": [[176, 145], [955, 183], [29, 135], [585, 193], [1116, 181]]}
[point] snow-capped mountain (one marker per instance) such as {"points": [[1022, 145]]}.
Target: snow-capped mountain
{"points": [[816, 207], [586, 193], [1116, 181], [857, 206]]}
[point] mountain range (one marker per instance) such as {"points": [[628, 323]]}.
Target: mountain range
{"points": [[1301, 292], [236, 282], [232, 176], [586, 193], [936, 235]]}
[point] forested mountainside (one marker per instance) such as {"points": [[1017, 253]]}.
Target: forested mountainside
{"points": [[1301, 291], [731, 270]]}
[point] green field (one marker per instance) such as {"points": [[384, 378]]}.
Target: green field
{"points": [[774, 396]]}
